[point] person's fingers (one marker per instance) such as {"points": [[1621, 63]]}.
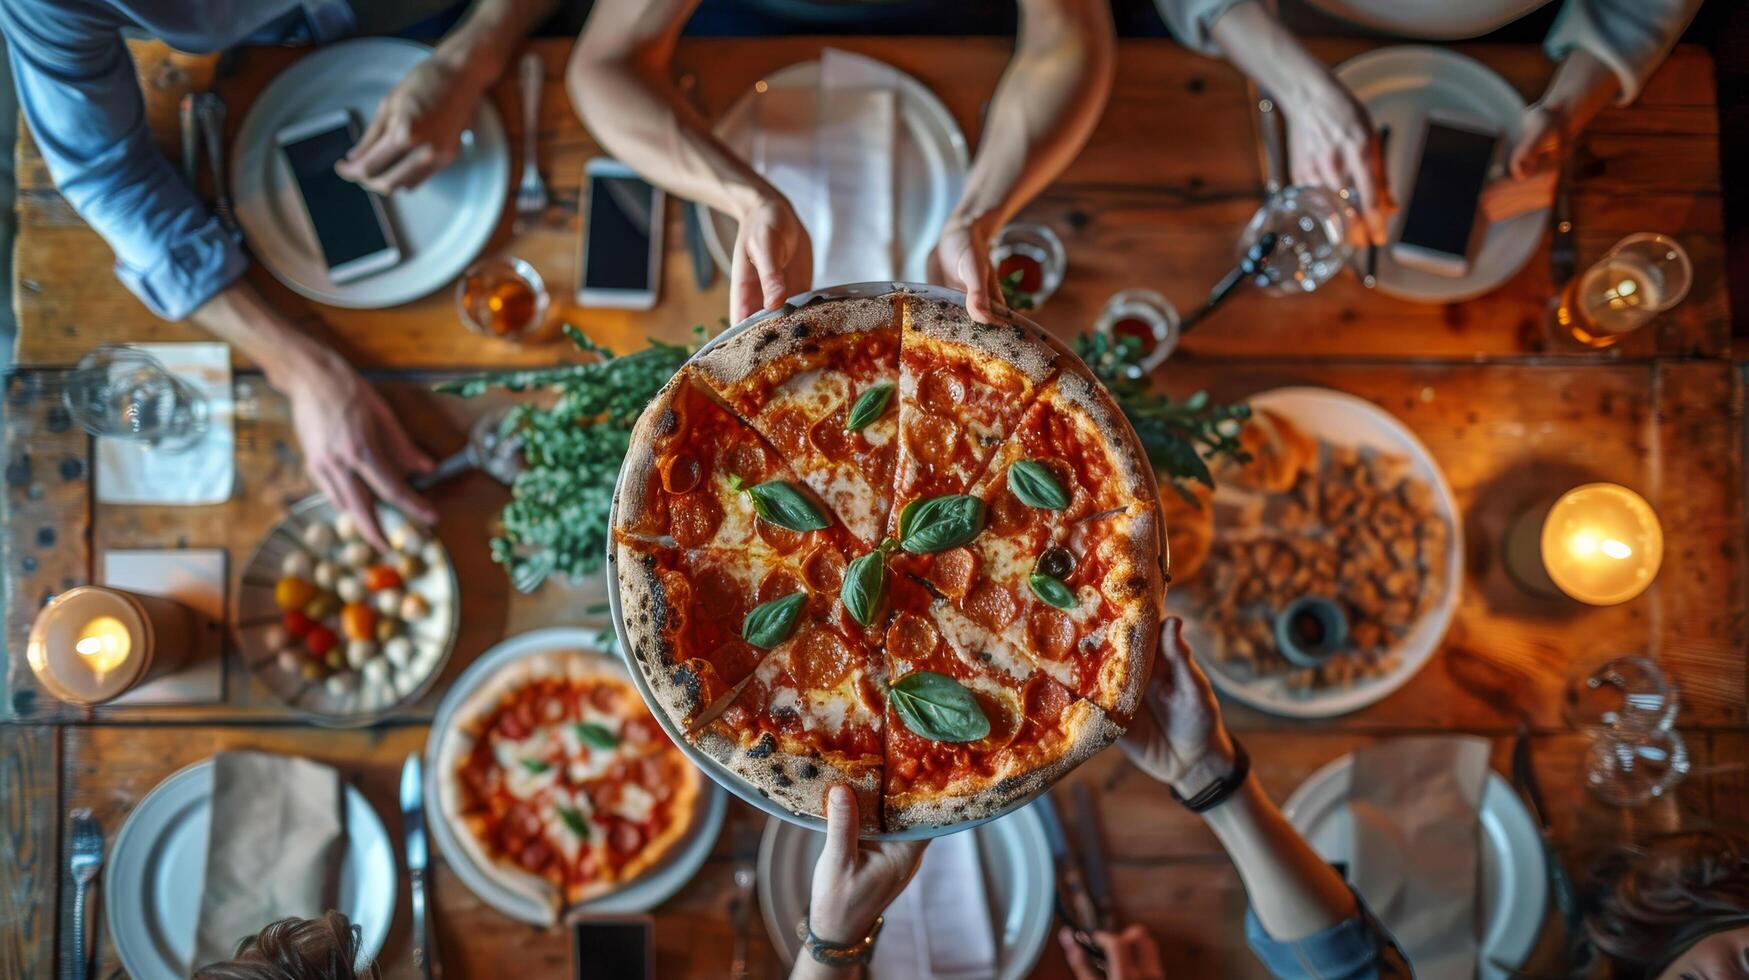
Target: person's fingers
{"points": [[977, 288], [405, 451], [382, 154], [1116, 955], [409, 171], [1080, 963], [769, 258], [372, 133], [388, 485], [1362, 178], [745, 295], [1147, 952], [349, 496], [841, 825]]}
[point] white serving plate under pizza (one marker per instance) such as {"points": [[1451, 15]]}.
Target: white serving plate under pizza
{"points": [[1342, 419], [642, 893]]}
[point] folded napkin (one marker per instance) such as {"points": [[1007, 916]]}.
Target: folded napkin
{"points": [[1417, 846], [273, 848], [939, 927], [829, 150], [133, 473]]}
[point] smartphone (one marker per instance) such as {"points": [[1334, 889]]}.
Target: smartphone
{"points": [[351, 225], [613, 947], [1439, 225], [622, 238]]}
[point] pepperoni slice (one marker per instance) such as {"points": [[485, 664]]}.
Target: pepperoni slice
{"points": [[535, 855], [748, 460], [912, 637], [824, 570], [1052, 631], [1005, 721], [625, 838], [821, 660], [781, 539], [942, 390], [778, 583], [735, 659], [829, 438], [953, 572], [787, 428], [932, 438], [721, 594], [1008, 516], [693, 518], [992, 605], [1046, 700], [605, 697], [681, 472]]}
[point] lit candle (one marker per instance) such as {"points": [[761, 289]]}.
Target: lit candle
{"points": [[93, 644], [1602, 544]]}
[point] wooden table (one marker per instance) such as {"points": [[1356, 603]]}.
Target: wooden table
{"points": [[1156, 199]]}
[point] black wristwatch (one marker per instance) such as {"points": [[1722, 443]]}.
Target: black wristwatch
{"points": [[1216, 793]]}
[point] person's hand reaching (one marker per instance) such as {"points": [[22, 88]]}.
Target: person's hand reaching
{"points": [[354, 448], [1190, 749], [773, 260], [961, 260], [1331, 143], [1129, 955], [416, 130], [854, 880], [1542, 143]]}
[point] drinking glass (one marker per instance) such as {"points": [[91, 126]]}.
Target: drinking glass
{"points": [[503, 297], [1640, 277], [1148, 317], [1627, 708], [121, 391], [1311, 227], [1035, 254]]}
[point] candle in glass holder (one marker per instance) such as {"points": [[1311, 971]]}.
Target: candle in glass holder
{"points": [[1602, 544], [93, 644]]}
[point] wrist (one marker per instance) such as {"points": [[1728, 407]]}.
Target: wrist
{"points": [[840, 930], [1215, 764]]}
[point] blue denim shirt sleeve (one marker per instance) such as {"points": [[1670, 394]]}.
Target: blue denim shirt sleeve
{"points": [[78, 89], [1357, 948]]}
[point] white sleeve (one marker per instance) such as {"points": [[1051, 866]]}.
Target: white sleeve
{"points": [[1190, 20], [1630, 36]]}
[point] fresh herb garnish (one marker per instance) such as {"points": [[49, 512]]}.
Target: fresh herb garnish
{"points": [[784, 505], [865, 583], [1051, 591], [534, 766], [771, 623], [595, 735], [940, 523], [1033, 483], [938, 708], [868, 407], [574, 820], [1012, 293]]}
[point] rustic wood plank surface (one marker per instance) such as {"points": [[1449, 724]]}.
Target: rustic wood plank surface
{"points": [[1156, 199]]}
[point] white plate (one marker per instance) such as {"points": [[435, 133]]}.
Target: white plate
{"points": [[1343, 420], [929, 166], [642, 893], [152, 882], [1512, 891], [1018, 878], [1398, 86], [442, 224]]}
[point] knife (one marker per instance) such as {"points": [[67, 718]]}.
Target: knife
{"points": [[704, 268], [1524, 778], [413, 820], [1563, 250], [190, 137], [1093, 860], [1074, 903], [211, 110]]}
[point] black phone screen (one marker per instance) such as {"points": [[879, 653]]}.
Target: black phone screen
{"points": [[344, 217], [1448, 187], [616, 248], [610, 950]]}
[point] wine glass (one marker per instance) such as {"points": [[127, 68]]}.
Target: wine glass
{"points": [[123, 392], [1147, 317], [1640, 277], [1627, 708], [1311, 227], [1031, 257]]}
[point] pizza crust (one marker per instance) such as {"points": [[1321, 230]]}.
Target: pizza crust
{"points": [[795, 781], [1009, 343], [1136, 633], [1134, 473], [739, 357], [645, 609], [658, 422]]}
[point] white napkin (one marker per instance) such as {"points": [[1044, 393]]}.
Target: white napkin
{"points": [[830, 152], [1417, 846], [132, 473], [939, 927]]}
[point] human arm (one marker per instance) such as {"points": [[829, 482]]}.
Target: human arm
{"points": [[418, 126], [854, 881], [1045, 106], [620, 87]]}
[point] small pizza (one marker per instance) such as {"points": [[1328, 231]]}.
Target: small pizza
{"points": [[820, 385], [559, 783]]}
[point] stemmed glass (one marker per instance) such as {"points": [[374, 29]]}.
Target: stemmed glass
{"points": [[121, 391], [1311, 227], [1627, 708]]}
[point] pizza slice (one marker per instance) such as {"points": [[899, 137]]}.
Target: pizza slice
{"points": [[970, 731], [819, 384], [962, 387]]}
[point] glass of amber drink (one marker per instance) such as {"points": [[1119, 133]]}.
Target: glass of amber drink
{"points": [[504, 297]]}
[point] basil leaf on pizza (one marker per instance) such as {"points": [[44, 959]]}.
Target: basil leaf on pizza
{"points": [[1051, 591], [940, 523], [785, 506], [865, 584], [868, 407], [595, 735], [771, 623], [574, 820], [939, 708], [1033, 483], [535, 766]]}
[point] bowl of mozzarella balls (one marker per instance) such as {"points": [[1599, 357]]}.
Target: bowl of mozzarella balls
{"points": [[342, 632]]}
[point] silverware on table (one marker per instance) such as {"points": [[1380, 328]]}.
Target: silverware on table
{"points": [[1566, 900], [186, 117], [85, 861], [1094, 864], [211, 110], [413, 821], [1074, 902], [531, 193], [1563, 246], [1370, 276], [704, 268], [741, 905]]}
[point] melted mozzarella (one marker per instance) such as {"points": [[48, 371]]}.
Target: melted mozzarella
{"points": [[635, 803], [968, 639]]}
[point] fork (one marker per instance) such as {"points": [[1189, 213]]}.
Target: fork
{"points": [[531, 194], [86, 860]]}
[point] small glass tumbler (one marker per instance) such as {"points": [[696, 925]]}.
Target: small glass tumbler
{"points": [[1640, 277], [1627, 708], [123, 392], [503, 297], [1311, 227], [1146, 316], [1030, 259]]}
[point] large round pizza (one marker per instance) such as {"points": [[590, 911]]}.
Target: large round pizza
{"points": [[873, 541]]}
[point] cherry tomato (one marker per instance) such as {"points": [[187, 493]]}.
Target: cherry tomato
{"points": [[380, 577], [292, 592], [296, 624], [319, 641], [358, 621]]}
